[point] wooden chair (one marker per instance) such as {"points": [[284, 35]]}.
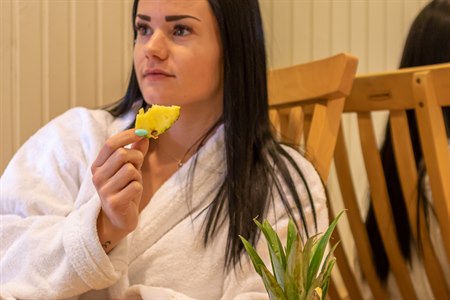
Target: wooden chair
{"points": [[425, 90], [309, 98], [306, 103]]}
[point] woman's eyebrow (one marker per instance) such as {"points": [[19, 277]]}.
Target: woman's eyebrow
{"points": [[144, 17], [179, 17], [172, 18]]}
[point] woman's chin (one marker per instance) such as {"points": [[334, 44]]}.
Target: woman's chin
{"points": [[160, 99]]}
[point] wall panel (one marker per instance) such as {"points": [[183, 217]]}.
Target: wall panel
{"points": [[282, 33], [110, 64], [321, 29], [8, 144], [302, 35], [57, 59], [84, 53], [372, 30], [359, 37], [340, 26], [266, 12], [394, 32], [56, 55], [376, 33], [28, 62]]}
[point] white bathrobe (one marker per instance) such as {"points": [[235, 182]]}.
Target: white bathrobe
{"points": [[49, 206]]}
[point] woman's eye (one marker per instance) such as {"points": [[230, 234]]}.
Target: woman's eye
{"points": [[182, 30], [143, 30]]}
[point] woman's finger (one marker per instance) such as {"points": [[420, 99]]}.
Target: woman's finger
{"points": [[120, 180], [123, 208], [113, 164], [115, 142], [141, 145]]}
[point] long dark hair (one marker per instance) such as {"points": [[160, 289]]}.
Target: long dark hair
{"points": [[253, 157], [427, 43]]}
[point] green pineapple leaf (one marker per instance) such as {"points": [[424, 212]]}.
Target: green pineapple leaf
{"points": [[277, 255], [292, 235], [308, 251], [274, 290], [300, 271], [290, 288], [327, 277], [255, 258], [318, 254]]}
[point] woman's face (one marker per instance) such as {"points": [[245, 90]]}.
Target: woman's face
{"points": [[177, 55]]}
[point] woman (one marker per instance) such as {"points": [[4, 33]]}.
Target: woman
{"points": [[104, 209], [427, 44]]}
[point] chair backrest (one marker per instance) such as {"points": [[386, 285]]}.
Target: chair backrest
{"points": [[425, 90], [306, 103]]}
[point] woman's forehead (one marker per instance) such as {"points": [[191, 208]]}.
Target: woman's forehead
{"points": [[173, 4], [161, 9]]}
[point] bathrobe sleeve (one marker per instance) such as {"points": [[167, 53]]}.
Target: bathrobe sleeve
{"points": [[48, 206], [242, 282]]}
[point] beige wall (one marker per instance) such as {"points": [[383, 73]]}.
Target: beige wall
{"points": [[373, 30], [56, 54]]}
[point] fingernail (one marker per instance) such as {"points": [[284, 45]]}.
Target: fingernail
{"points": [[141, 132]]}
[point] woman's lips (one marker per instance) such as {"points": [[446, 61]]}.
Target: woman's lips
{"points": [[157, 75]]}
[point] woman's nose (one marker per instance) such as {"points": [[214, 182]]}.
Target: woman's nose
{"points": [[156, 46]]}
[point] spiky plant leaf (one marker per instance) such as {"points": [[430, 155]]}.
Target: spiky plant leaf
{"points": [[255, 258], [277, 255], [273, 288], [318, 254], [292, 257], [296, 274], [329, 260], [273, 240], [292, 235], [308, 249], [299, 267], [327, 276], [292, 289], [329, 257], [277, 268], [329, 263]]}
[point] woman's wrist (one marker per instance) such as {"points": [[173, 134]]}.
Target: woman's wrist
{"points": [[108, 234]]}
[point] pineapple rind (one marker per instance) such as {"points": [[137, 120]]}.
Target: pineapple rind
{"points": [[157, 120]]}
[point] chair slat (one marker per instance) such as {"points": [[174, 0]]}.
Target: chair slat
{"points": [[405, 161], [435, 148], [357, 227], [404, 158], [347, 276], [380, 202]]}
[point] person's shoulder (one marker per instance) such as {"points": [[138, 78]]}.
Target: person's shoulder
{"points": [[83, 115], [302, 162], [85, 121], [77, 126], [315, 185]]}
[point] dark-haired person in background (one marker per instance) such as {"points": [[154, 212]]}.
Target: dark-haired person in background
{"points": [[84, 213], [428, 43]]}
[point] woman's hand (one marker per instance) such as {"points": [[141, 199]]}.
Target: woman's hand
{"points": [[116, 174]]}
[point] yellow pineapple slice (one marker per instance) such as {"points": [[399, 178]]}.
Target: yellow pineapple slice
{"points": [[157, 119]]}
